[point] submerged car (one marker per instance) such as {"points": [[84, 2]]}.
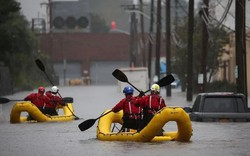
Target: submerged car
{"points": [[219, 106]]}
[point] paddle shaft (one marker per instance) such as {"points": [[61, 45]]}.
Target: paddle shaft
{"points": [[167, 80], [134, 87], [118, 74], [6, 100], [76, 117], [50, 81], [42, 68], [103, 114], [90, 122]]}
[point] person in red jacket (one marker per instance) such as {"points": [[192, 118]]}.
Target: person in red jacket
{"points": [[151, 104], [54, 101], [131, 109], [38, 99]]}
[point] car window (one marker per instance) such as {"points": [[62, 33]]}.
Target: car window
{"points": [[196, 104], [241, 105], [220, 104]]}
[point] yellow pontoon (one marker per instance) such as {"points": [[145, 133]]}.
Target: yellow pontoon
{"points": [[37, 115], [149, 132]]}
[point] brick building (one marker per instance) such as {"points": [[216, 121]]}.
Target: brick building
{"points": [[75, 55]]}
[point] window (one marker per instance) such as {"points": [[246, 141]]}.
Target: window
{"points": [[222, 104], [196, 104]]}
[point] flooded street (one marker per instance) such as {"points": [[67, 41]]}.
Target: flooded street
{"points": [[64, 138]]}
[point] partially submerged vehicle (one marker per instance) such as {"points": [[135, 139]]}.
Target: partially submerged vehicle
{"points": [[219, 106]]}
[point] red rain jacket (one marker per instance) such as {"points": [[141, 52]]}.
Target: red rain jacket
{"points": [[130, 106], [153, 102], [38, 99], [54, 100]]}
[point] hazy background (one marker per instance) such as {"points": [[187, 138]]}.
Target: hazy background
{"points": [[34, 9]]}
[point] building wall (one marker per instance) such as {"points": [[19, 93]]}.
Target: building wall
{"points": [[85, 47], [230, 58], [91, 48]]}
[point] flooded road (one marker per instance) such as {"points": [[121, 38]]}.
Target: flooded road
{"points": [[64, 138]]}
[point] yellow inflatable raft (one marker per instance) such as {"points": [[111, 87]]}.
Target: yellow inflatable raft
{"points": [[149, 133], [26, 106]]}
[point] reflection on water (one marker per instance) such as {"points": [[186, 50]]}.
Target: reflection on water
{"points": [[64, 138]]}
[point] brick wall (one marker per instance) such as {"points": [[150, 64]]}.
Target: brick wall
{"points": [[88, 47], [85, 47]]}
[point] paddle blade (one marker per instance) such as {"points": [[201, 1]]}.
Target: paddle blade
{"points": [[40, 65], [68, 100], [120, 75], [167, 80], [86, 124], [4, 100]]}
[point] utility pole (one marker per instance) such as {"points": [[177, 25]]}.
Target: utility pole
{"points": [[142, 35], [240, 47], [133, 36], [190, 51], [158, 40], [168, 44], [203, 62], [50, 16], [151, 29]]}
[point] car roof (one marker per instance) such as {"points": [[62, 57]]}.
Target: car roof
{"points": [[221, 94]]}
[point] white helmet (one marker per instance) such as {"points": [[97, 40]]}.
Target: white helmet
{"points": [[155, 87], [54, 89]]}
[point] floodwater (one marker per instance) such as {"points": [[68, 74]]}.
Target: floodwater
{"points": [[64, 138]]}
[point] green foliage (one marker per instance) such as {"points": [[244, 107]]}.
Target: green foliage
{"points": [[7, 8], [98, 25], [221, 86], [18, 46], [218, 37]]}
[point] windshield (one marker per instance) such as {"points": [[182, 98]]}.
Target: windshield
{"points": [[223, 104]]}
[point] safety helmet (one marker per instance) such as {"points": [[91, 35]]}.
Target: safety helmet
{"points": [[155, 87], [128, 90], [41, 90], [54, 89]]}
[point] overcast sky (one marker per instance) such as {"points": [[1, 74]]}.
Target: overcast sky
{"points": [[34, 9]]}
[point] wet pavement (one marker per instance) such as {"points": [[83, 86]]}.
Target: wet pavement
{"points": [[64, 138]]}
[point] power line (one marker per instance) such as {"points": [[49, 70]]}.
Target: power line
{"points": [[206, 17]]}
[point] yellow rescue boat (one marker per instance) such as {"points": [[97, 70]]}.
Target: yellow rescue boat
{"points": [[177, 114], [27, 106]]}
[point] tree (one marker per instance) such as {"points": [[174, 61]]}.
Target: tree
{"points": [[18, 46], [218, 38], [98, 25]]}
